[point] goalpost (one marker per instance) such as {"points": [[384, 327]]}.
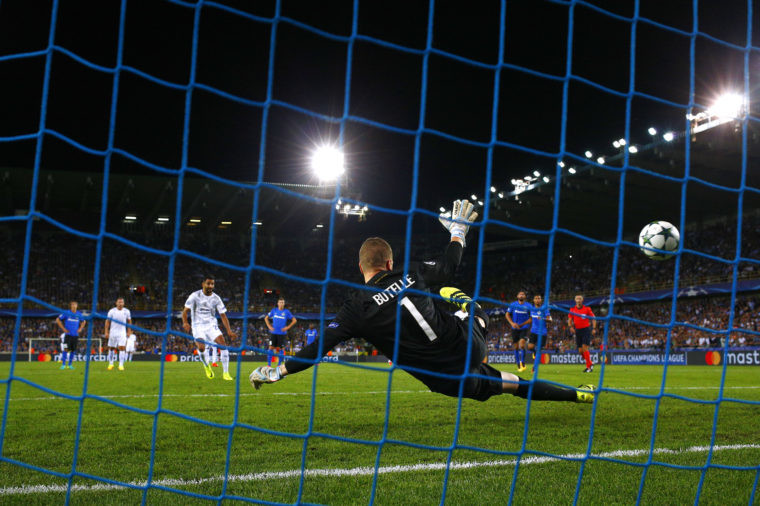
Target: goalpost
{"points": [[58, 344]]}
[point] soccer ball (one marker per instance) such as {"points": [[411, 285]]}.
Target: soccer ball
{"points": [[661, 235]]}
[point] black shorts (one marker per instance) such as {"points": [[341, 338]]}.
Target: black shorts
{"points": [[478, 388], [518, 334], [71, 343], [278, 340], [583, 336], [534, 339]]}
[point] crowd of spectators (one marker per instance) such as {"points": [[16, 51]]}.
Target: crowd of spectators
{"points": [[58, 274]]}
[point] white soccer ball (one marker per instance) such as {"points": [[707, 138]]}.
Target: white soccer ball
{"points": [[661, 235]]}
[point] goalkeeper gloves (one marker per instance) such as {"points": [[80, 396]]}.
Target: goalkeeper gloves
{"points": [[458, 221], [264, 374]]}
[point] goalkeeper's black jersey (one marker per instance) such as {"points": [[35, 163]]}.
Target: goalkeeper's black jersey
{"points": [[430, 337]]}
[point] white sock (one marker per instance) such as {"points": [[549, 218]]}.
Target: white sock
{"points": [[225, 360], [121, 358], [110, 357], [214, 354], [203, 355]]}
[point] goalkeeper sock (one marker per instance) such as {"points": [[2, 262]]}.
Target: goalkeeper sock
{"points": [[543, 391], [269, 358], [225, 360]]}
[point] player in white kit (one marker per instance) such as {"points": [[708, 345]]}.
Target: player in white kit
{"points": [[116, 333], [203, 306], [131, 346]]}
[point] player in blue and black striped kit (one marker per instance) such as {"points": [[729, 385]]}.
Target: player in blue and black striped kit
{"points": [[538, 332], [277, 322], [518, 316], [72, 323]]}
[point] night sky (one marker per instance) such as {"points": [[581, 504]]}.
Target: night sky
{"points": [[386, 86]]}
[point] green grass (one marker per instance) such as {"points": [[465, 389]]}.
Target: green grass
{"points": [[115, 443]]}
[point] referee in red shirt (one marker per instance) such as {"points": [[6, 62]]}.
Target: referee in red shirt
{"points": [[581, 323]]}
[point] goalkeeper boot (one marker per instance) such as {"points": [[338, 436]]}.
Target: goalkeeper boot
{"points": [[584, 394], [264, 374], [209, 372], [226, 377], [458, 298]]}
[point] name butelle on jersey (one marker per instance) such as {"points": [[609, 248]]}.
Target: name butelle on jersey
{"points": [[118, 320], [203, 309]]}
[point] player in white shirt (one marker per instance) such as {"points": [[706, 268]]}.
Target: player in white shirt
{"points": [[131, 346], [203, 306], [63, 345], [116, 333]]}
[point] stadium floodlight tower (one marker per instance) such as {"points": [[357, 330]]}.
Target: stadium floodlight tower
{"points": [[328, 164], [727, 108]]}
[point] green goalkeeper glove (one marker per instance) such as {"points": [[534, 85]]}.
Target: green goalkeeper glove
{"points": [[264, 374], [458, 221]]}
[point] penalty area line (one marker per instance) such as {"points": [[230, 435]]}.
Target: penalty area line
{"points": [[362, 471]]}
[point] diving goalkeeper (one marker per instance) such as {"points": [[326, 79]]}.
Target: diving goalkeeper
{"points": [[431, 338]]}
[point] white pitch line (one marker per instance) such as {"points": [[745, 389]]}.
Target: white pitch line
{"points": [[363, 392], [362, 471]]}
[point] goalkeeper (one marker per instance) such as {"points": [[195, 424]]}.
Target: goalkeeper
{"points": [[430, 337]]}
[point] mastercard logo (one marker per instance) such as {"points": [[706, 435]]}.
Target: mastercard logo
{"points": [[172, 357], [545, 358], [44, 357], [712, 358]]}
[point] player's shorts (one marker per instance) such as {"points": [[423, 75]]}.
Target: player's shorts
{"points": [[533, 338], [583, 336], [278, 340], [130, 347], [475, 387], [206, 334], [71, 343], [117, 341], [518, 334]]}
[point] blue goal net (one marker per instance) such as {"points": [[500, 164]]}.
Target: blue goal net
{"points": [[469, 105]]}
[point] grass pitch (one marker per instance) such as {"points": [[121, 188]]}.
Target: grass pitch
{"points": [[349, 420]]}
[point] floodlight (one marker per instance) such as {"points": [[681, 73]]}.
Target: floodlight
{"points": [[621, 142], [600, 160], [257, 223], [480, 202], [195, 220], [589, 154], [562, 164], [546, 179], [493, 189], [442, 209], [571, 170], [652, 131], [327, 162], [474, 197], [729, 105], [130, 217], [616, 144], [633, 149], [163, 218], [536, 173], [668, 136], [319, 225], [501, 195], [226, 223]]}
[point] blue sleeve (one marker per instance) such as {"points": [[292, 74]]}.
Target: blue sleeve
{"points": [[62, 317], [270, 313], [290, 315], [511, 309]]}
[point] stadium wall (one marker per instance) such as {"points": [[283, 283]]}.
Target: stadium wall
{"points": [[707, 356]]}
